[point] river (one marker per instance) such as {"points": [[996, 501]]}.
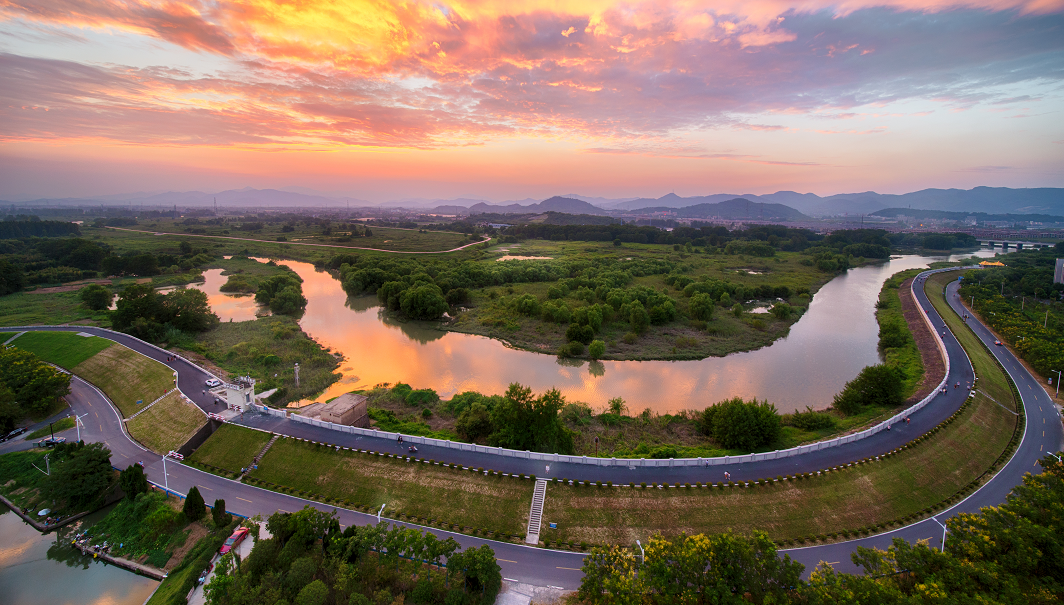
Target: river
{"points": [[828, 346], [37, 568]]}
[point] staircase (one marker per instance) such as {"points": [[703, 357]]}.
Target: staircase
{"points": [[535, 516], [259, 456]]}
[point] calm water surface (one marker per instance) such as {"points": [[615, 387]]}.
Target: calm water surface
{"points": [[36, 569], [827, 347]]}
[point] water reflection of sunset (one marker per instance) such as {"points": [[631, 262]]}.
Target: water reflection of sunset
{"points": [[828, 346], [228, 307]]}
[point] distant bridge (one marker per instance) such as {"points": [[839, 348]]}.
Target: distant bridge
{"points": [[1018, 245]]}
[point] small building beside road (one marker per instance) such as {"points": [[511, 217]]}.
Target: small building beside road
{"points": [[349, 409]]}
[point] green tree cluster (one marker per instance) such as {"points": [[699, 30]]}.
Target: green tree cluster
{"points": [[96, 297], [737, 424], [81, 474], [309, 561], [1022, 304], [282, 293], [516, 420], [28, 386], [878, 385], [146, 314]]}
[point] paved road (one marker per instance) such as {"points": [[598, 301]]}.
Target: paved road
{"points": [[1042, 434], [557, 568]]}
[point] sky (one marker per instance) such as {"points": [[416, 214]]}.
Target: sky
{"points": [[384, 100]]}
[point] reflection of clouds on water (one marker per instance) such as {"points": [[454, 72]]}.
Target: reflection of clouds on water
{"points": [[228, 307], [829, 345]]}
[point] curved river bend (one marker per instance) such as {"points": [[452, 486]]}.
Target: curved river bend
{"points": [[828, 346]]}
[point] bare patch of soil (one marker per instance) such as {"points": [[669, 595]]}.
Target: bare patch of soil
{"points": [[197, 532], [72, 286]]}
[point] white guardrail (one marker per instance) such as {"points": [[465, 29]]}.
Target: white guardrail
{"points": [[629, 462]]}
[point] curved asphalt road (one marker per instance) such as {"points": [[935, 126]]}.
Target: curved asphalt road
{"points": [[544, 567]]}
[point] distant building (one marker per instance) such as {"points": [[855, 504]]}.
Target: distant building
{"points": [[1058, 272], [348, 409]]}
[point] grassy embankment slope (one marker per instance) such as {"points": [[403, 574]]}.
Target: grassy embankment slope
{"points": [[416, 490], [125, 376], [168, 424], [229, 449]]}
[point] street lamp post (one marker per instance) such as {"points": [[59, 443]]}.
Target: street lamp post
{"points": [[381, 511], [1058, 382], [642, 553], [78, 423], [943, 549], [166, 481]]}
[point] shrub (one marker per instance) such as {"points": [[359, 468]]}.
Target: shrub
{"points": [[735, 423]]}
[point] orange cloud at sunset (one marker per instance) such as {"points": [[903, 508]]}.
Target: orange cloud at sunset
{"points": [[637, 77]]}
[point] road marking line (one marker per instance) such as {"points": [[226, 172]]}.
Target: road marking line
{"points": [[203, 487], [239, 498], [506, 561], [570, 568]]}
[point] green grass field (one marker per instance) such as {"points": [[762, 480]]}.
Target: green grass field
{"points": [[64, 349], [231, 447], [167, 425], [52, 308], [498, 504]]}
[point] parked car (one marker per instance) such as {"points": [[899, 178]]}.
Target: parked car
{"points": [[15, 433], [50, 442], [234, 540], [213, 382]]}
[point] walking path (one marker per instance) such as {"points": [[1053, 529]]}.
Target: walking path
{"points": [[543, 567]]}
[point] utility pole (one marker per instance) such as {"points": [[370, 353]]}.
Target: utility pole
{"points": [[297, 374], [166, 481]]}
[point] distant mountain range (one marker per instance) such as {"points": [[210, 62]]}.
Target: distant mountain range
{"points": [[731, 209], [554, 204], [992, 200]]}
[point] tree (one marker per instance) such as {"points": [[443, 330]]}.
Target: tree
{"points": [[523, 422], [596, 349], [722, 568], [879, 385], [218, 514], [11, 278], [638, 317], [423, 302], [195, 508], [95, 297], [187, 309], [33, 384], [482, 572], [702, 306], [734, 423], [133, 481], [314, 593], [82, 474], [136, 301]]}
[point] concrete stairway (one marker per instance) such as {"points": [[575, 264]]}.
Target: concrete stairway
{"points": [[535, 516], [261, 453]]}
